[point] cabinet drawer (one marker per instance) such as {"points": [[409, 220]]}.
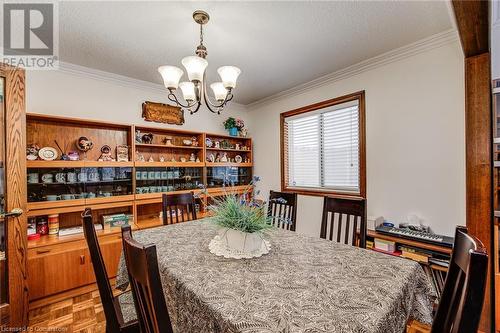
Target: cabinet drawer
{"points": [[51, 271]]}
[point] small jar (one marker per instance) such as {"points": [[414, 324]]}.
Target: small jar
{"points": [[53, 224], [31, 226], [42, 226]]}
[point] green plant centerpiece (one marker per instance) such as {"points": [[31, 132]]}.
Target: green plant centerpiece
{"points": [[242, 220]]}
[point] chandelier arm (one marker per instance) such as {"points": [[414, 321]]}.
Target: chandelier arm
{"points": [[173, 98], [216, 108]]}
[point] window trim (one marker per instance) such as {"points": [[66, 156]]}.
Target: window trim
{"points": [[360, 97]]}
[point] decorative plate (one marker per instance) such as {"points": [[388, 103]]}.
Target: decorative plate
{"points": [[238, 159], [48, 153], [218, 246], [211, 158], [209, 143]]}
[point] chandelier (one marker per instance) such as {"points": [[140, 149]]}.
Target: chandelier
{"points": [[194, 91]]}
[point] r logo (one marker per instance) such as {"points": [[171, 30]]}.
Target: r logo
{"points": [[28, 29]]}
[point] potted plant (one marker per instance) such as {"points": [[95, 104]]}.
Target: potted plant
{"points": [[230, 126], [242, 220]]}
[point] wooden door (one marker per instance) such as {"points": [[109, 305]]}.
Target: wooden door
{"points": [[13, 229]]}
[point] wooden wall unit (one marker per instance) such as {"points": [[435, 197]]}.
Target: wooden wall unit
{"points": [[472, 19], [59, 265], [496, 196], [13, 313]]}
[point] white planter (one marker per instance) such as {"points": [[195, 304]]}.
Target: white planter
{"points": [[243, 241]]}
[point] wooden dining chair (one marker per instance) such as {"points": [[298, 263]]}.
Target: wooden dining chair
{"points": [[178, 208], [110, 303], [144, 277], [341, 218], [459, 309], [282, 209]]}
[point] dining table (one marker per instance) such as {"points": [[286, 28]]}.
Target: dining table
{"points": [[304, 284]]}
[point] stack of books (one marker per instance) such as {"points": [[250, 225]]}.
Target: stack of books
{"points": [[385, 246], [416, 254]]}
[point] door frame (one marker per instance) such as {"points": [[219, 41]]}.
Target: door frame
{"points": [[15, 314]]}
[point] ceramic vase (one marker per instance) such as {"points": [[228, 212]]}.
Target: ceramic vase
{"points": [[233, 131], [243, 241]]}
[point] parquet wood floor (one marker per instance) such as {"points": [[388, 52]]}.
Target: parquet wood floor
{"points": [[80, 314]]}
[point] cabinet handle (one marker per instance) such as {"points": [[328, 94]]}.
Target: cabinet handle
{"points": [[42, 251], [82, 259]]}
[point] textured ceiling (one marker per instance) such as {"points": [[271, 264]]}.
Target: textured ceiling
{"points": [[278, 45]]}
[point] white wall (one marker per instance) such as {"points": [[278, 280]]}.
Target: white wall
{"points": [[89, 96], [415, 139], [495, 39]]}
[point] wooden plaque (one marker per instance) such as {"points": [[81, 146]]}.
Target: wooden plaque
{"points": [[162, 113]]}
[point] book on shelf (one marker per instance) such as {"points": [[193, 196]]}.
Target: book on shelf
{"points": [[76, 230], [414, 254], [384, 245]]}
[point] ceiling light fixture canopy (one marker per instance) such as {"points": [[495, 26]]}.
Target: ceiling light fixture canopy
{"points": [[194, 91]]}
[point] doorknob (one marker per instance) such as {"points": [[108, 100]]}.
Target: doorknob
{"points": [[13, 213]]}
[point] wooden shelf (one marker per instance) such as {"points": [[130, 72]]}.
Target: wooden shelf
{"points": [[77, 164], [145, 145], [68, 206], [149, 196], [227, 164], [228, 149], [56, 239], [427, 246], [170, 164], [220, 190], [226, 136]]}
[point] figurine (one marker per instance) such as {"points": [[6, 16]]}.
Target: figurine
{"points": [[139, 157], [84, 144], [197, 160], [194, 141], [106, 154], [122, 153], [192, 158], [167, 141], [151, 159], [237, 147], [162, 159], [32, 152], [224, 157], [147, 138], [217, 158], [73, 155], [173, 159], [243, 132], [138, 136], [217, 144], [183, 159]]}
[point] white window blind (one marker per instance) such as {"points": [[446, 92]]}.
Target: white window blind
{"points": [[322, 149]]}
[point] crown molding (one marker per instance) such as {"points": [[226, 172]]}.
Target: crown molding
{"points": [[404, 52], [121, 80]]}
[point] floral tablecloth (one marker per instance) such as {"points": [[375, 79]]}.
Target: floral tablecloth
{"points": [[304, 284]]}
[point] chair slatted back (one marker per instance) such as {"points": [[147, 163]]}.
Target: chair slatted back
{"points": [[110, 304], [459, 309], [341, 218], [144, 277], [282, 209], [178, 208]]}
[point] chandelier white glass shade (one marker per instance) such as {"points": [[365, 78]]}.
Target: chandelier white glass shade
{"points": [[194, 91]]}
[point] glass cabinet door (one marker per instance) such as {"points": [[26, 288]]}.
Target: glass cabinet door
{"points": [[3, 222]]}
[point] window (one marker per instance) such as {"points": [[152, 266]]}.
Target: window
{"points": [[323, 147]]}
